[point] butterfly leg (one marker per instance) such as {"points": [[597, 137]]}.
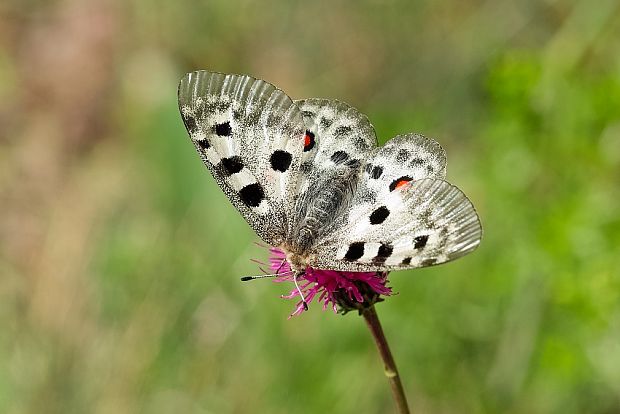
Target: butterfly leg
{"points": [[303, 298]]}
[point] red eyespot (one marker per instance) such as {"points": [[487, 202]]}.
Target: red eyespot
{"points": [[399, 183], [308, 141]]}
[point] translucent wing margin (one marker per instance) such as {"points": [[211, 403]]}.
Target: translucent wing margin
{"points": [[250, 135]]}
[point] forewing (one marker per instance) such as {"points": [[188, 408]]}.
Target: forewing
{"points": [[250, 135], [420, 223]]}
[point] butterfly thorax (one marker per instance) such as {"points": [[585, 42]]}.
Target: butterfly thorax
{"points": [[320, 208]]}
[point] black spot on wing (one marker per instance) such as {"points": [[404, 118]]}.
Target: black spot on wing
{"points": [[360, 142], [376, 172], [406, 261], [353, 163], [203, 144], [223, 129], [281, 160], [252, 195], [342, 130], [428, 262], [339, 157], [402, 155], [230, 165], [420, 241], [416, 162], [385, 251], [325, 122], [379, 215], [356, 250]]}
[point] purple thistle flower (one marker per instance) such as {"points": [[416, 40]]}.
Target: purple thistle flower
{"points": [[347, 290]]}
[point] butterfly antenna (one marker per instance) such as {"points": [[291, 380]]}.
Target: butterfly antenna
{"points": [[258, 261], [303, 298], [280, 267], [246, 278]]}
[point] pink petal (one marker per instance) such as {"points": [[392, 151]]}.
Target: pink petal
{"points": [[325, 283]]}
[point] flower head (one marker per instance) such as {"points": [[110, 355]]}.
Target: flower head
{"points": [[336, 289]]}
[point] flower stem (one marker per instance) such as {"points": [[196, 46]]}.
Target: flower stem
{"points": [[372, 320]]}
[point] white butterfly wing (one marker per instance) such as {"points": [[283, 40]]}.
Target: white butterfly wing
{"points": [[401, 214], [419, 224], [251, 137]]}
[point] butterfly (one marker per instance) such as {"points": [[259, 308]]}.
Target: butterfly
{"points": [[310, 179]]}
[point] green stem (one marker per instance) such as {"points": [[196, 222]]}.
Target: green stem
{"points": [[372, 320]]}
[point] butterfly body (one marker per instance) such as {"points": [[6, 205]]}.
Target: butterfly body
{"points": [[309, 178], [320, 208]]}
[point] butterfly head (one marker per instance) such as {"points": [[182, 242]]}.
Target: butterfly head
{"points": [[298, 262]]}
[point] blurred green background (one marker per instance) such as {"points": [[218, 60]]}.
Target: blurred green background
{"points": [[120, 257]]}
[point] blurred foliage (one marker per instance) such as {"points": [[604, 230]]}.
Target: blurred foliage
{"points": [[120, 257]]}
